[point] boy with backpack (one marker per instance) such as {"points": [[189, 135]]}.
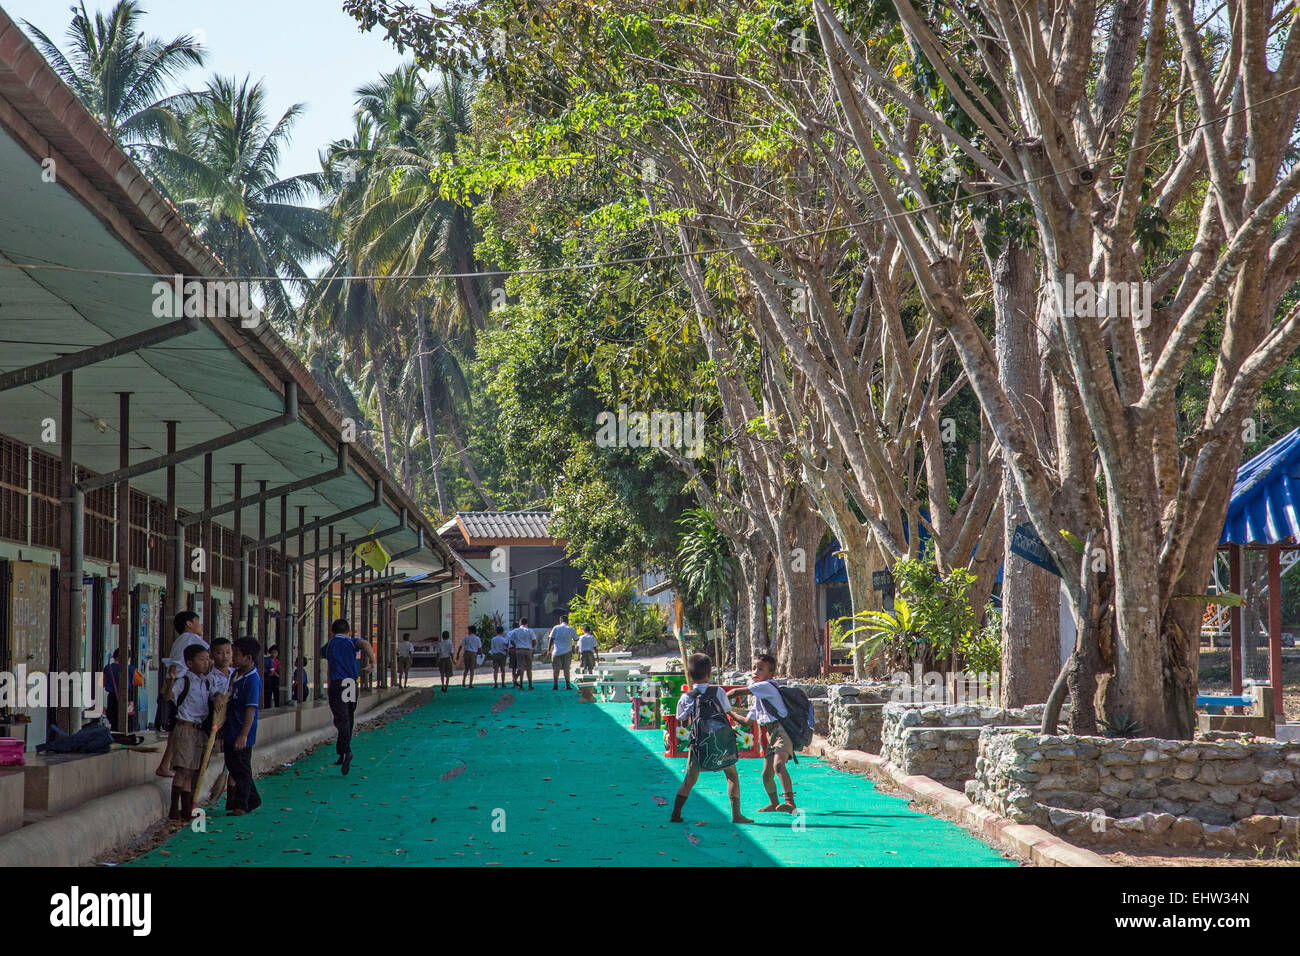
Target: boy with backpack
{"points": [[191, 693], [786, 715], [713, 741]]}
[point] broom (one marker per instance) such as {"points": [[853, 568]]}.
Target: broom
{"points": [[218, 720]]}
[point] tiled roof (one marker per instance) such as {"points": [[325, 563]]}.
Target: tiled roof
{"points": [[499, 525]]}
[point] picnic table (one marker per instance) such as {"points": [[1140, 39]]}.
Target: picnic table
{"points": [[613, 655], [619, 677]]}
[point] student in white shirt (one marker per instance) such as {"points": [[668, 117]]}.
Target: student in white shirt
{"points": [[699, 668], [189, 631], [219, 678], [500, 651], [192, 694], [405, 654], [446, 655], [768, 706], [521, 639], [470, 645], [560, 647], [587, 648]]}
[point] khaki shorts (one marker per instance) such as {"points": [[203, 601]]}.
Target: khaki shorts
{"points": [[404, 663], [778, 741], [560, 662], [499, 660], [187, 748], [523, 659], [444, 666], [588, 659]]}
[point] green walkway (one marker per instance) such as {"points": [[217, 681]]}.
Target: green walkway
{"points": [[551, 781]]}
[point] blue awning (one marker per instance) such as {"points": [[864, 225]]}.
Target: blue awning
{"points": [[1263, 507], [829, 568]]}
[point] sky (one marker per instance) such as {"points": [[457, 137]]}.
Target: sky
{"points": [[308, 51]]}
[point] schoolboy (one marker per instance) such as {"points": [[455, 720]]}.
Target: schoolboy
{"points": [[699, 668]]}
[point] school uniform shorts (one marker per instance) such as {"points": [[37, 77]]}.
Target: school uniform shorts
{"points": [[778, 741], [444, 666], [187, 747]]}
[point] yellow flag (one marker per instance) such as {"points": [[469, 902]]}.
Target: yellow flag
{"points": [[373, 553]]}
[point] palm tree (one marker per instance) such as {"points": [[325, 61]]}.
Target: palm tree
{"points": [[121, 75], [222, 176], [399, 224], [406, 225]]}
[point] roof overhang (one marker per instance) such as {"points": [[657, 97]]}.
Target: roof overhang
{"points": [[100, 235]]}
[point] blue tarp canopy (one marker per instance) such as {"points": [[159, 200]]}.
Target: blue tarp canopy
{"points": [[1263, 507], [829, 568]]}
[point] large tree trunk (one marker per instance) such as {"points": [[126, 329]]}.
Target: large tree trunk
{"points": [[1030, 596], [799, 655], [1160, 701]]}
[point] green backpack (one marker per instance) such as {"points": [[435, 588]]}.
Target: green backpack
{"points": [[713, 740]]}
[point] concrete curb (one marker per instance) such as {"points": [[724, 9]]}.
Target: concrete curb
{"points": [[1028, 842], [99, 827]]}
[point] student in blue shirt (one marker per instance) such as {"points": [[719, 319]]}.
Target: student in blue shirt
{"points": [[341, 653], [133, 681], [240, 730]]}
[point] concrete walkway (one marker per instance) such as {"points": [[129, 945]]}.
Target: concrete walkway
{"points": [[547, 780]]}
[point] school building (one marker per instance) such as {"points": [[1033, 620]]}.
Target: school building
{"points": [[160, 449], [517, 570]]}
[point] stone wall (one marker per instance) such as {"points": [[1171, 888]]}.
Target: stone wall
{"points": [[1222, 791], [941, 741], [854, 716]]}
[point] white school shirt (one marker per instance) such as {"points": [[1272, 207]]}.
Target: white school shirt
{"points": [[194, 707], [521, 637], [472, 643], [766, 690], [446, 648], [686, 706], [177, 655], [219, 683], [500, 644], [563, 636], [405, 649], [587, 641]]}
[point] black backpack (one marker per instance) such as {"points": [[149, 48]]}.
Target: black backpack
{"points": [[798, 719], [713, 741], [170, 716]]}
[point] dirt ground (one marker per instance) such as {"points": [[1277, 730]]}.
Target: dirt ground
{"points": [[1199, 858]]}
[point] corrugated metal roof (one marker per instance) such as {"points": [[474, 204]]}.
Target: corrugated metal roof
{"points": [[505, 524], [1263, 506]]}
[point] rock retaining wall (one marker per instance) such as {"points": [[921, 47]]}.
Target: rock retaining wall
{"points": [[854, 716], [941, 741], [1222, 791]]}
